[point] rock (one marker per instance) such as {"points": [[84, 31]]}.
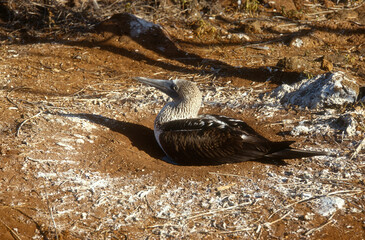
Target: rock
{"points": [[345, 123], [329, 205], [296, 42], [325, 90], [149, 35], [292, 63], [305, 41], [328, 3], [253, 27], [326, 65], [283, 5], [342, 124], [336, 58]]}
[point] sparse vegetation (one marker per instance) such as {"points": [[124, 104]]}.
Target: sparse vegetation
{"points": [[251, 6]]}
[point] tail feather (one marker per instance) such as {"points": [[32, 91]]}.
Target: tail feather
{"points": [[290, 153]]}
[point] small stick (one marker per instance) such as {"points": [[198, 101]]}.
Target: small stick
{"points": [[26, 120], [214, 211], [8, 96], [95, 4], [277, 220], [13, 234], [51, 212], [358, 149], [335, 10], [163, 225], [259, 231], [148, 205], [330, 220]]}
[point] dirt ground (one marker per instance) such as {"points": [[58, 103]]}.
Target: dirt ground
{"points": [[78, 155]]}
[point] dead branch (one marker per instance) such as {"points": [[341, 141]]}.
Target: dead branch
{"points": [[329, 221], [12, 232], [26, 120], [358, 149]]}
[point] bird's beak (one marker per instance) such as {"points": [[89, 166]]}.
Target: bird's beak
{"points": [[166, 86]]}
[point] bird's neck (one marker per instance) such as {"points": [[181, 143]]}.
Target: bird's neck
{"points": [[178, 110]]}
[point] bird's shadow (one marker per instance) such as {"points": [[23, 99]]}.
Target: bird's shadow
{"points": [[143, 137], [140, 136], [276, 162]]}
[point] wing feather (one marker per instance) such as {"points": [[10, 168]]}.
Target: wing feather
{"points": [[210, 140]]}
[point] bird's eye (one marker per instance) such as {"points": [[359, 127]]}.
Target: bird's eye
{"points": [[175, 88]]}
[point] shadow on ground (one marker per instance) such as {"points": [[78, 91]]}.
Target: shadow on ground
{"points": [[140, 136], [153, 37]]}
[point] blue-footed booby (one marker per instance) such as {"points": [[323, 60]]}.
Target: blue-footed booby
{"points": [[191, 139]]}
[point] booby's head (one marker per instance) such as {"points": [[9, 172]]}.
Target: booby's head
{"points": [[179, 90]]}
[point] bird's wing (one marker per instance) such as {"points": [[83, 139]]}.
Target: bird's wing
{"points": [[209, 141], [234, 123]]}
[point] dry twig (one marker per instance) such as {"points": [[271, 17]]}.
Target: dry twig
{"points": [[358, 149], [335, 10], [12, 232], [8, 96], [51, 213], [236, 231], [26, 120], [214, 211], [330, 220], [277, 220]]}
